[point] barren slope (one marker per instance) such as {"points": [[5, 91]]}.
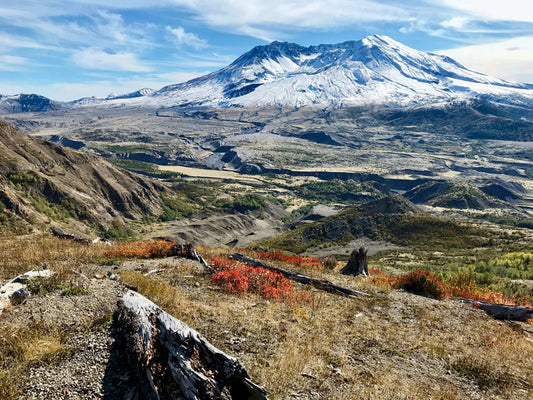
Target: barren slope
{"points": [[46, 180]]}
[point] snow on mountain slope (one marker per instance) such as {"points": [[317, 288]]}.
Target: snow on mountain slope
{"points": [[374, 70], [27, 103], [99, 100]]}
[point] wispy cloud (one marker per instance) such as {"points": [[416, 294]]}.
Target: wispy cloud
{"points": [[508, 10], [11, 63], [456, 23], [182, 38], [92, 58], [13, 42], [260, 18], [513, 57]]}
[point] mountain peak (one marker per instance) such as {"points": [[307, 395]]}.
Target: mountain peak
{"points": [[374, 70], [380, 40]]}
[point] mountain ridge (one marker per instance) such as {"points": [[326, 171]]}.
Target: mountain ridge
{"points": [[41, 181], [375, 70]]}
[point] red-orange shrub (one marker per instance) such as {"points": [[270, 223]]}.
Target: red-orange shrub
{"points": [[379, 278], [141, 249], [422, 282], [240, 278]]}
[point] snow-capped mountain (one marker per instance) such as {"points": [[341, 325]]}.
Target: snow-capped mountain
{"points": [[27, 103], [374, 70], [99, 100]]}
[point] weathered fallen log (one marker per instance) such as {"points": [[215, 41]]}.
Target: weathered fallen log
{"points": [[62, 235], [169, 360], [188, 251], [15, 291], [503, 311], [304, 279]]}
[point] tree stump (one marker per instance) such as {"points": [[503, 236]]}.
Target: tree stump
{"points": [[357, 264]]}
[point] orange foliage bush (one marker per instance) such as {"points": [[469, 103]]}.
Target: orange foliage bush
{"points": [[141, 249], [490, 296], [428, 284], [306, 262], [379, 278], [240, 278], [422, 282]]}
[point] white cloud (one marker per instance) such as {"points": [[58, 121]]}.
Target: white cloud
{"points": [[112, 25], [261, 18], [186, 38], [9, 41], [91, 58], [456, 23], [508, 10], [508, 59], [11, 63]]}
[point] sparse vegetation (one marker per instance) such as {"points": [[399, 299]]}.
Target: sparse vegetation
{"points": [[339, 191], [141, 249], [248, 202], [22, 347], [287, 345], [145, 168], [175, 208]]}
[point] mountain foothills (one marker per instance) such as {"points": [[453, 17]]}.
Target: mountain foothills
{"points": [[41, 181]]}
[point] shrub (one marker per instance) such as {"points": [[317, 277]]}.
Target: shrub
{"points": [[238, 278], [248, 202], [381, 279], [329, 263], [75, 291], [422, 282], [464, 284], [175, 208]]}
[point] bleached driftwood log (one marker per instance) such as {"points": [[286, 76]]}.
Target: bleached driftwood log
{"points": [[503, 311], [15, 291], [304, 279], [170, 360]]}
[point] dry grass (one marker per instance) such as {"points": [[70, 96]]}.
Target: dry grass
{"points": [[392, 345], [25, 346], [20, 254], [396, 346]]}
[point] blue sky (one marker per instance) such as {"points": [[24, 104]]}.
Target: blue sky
{"points": [[67, 49]]}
